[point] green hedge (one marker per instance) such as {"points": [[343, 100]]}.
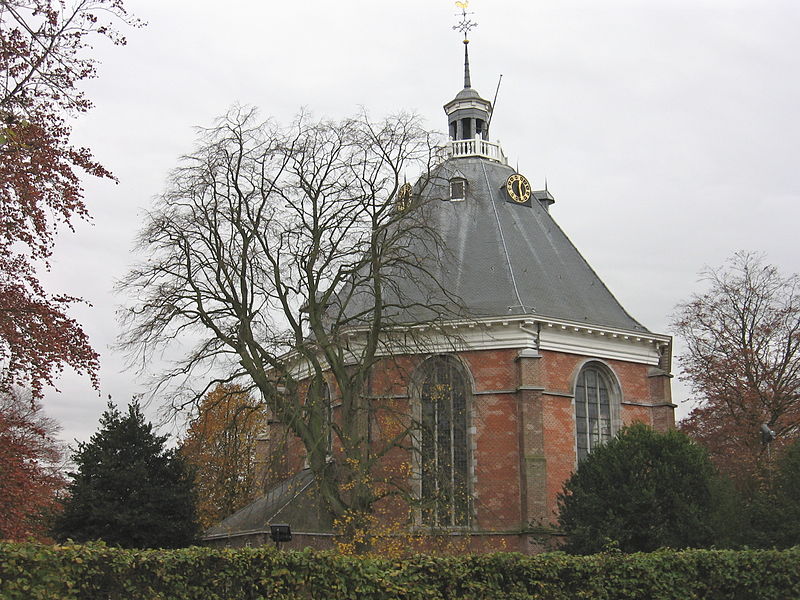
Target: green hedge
{"points": [[96, 571]]}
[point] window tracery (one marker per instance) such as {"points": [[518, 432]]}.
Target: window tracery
{"points": [[443, 449], [596, 398]]}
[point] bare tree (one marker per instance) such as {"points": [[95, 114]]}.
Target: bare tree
{"points": [[743, 361], [290, 256]]}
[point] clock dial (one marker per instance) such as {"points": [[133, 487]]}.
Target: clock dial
{"points": [[404, 196], [518, 188]]}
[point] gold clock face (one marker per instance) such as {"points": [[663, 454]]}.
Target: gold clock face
{"points": [[518, 188], [404, 196]]}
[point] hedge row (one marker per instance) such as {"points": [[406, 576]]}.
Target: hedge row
{"points": [[96, 571]]}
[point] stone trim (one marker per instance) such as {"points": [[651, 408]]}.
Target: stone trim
{"points": [[645, 405]]}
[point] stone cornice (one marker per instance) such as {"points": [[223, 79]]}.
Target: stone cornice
{"points": [[524, 332], [536, 333]]}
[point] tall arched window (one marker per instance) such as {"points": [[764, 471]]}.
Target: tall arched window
{"points": [[443, 448], [595, 399], [319, 394]]}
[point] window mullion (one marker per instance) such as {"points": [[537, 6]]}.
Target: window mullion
{"points": [[452, 501], [444, 480], [587, 419], [437, 461]]}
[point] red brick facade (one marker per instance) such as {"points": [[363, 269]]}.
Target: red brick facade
{"points": [[522, 433]]}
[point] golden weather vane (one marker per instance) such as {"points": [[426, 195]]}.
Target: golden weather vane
{"points": [[466, 24]]}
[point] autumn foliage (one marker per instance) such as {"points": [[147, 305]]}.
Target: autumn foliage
{"points": [[30, 457], [220, 445], [44, 48], [743, 361]]}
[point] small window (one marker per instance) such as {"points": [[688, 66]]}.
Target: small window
{"points": [[466, 125], [458, 189]]}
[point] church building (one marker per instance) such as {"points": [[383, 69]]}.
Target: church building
{"points": [[549, 365]]}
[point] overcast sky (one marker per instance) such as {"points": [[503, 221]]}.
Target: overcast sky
{"points": [[668, 131]]}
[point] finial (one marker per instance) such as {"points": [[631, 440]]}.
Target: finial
{"points": [[465, 26]]}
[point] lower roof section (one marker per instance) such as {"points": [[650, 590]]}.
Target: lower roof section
{"points": [[293, 501]]}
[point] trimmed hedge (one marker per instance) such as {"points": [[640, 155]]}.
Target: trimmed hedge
{"points": [[96, 571]]}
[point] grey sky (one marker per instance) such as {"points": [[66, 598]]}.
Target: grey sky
{"points": [[668, 131]]}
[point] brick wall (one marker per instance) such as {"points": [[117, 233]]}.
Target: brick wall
{"points": [[522, 431]]}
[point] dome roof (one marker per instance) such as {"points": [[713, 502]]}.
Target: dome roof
{"points": [[468, 93], [503, 258]]}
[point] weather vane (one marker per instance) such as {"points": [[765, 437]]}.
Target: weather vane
{"points": [[466, 24]]}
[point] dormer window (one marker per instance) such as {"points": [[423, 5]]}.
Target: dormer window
{"points": [[458, 189]]}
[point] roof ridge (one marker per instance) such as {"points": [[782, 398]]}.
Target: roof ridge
{"points": [[503, 239]]}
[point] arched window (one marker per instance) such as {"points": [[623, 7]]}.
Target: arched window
{"points": [[443, 445], [595, 405], [319, 395]]}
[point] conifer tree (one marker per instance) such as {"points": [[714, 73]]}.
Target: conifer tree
{"points": [[641, 491], [129, 489]]}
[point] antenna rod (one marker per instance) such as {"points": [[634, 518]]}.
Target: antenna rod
{"points": [[494, 102]]}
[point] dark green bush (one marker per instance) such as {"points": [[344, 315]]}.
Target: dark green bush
{"points": [[774, 509], [129, 489], [640, 491], [96, 571]]}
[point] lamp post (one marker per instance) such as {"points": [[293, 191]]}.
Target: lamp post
{"points": [[280, 532], [767, 437]]}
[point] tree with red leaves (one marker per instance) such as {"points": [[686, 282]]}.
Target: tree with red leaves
{"points": [[30, 457], [743, 361], [44, 46]]}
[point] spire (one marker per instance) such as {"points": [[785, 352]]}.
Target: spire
{"points": [[468, 114], [465, 26], [467, 82]]}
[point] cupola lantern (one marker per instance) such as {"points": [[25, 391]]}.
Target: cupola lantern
{"points": [[469, 115]]}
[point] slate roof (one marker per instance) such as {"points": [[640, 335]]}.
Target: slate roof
{"points": [[468, 92], [294, 501], [505, 258]]}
